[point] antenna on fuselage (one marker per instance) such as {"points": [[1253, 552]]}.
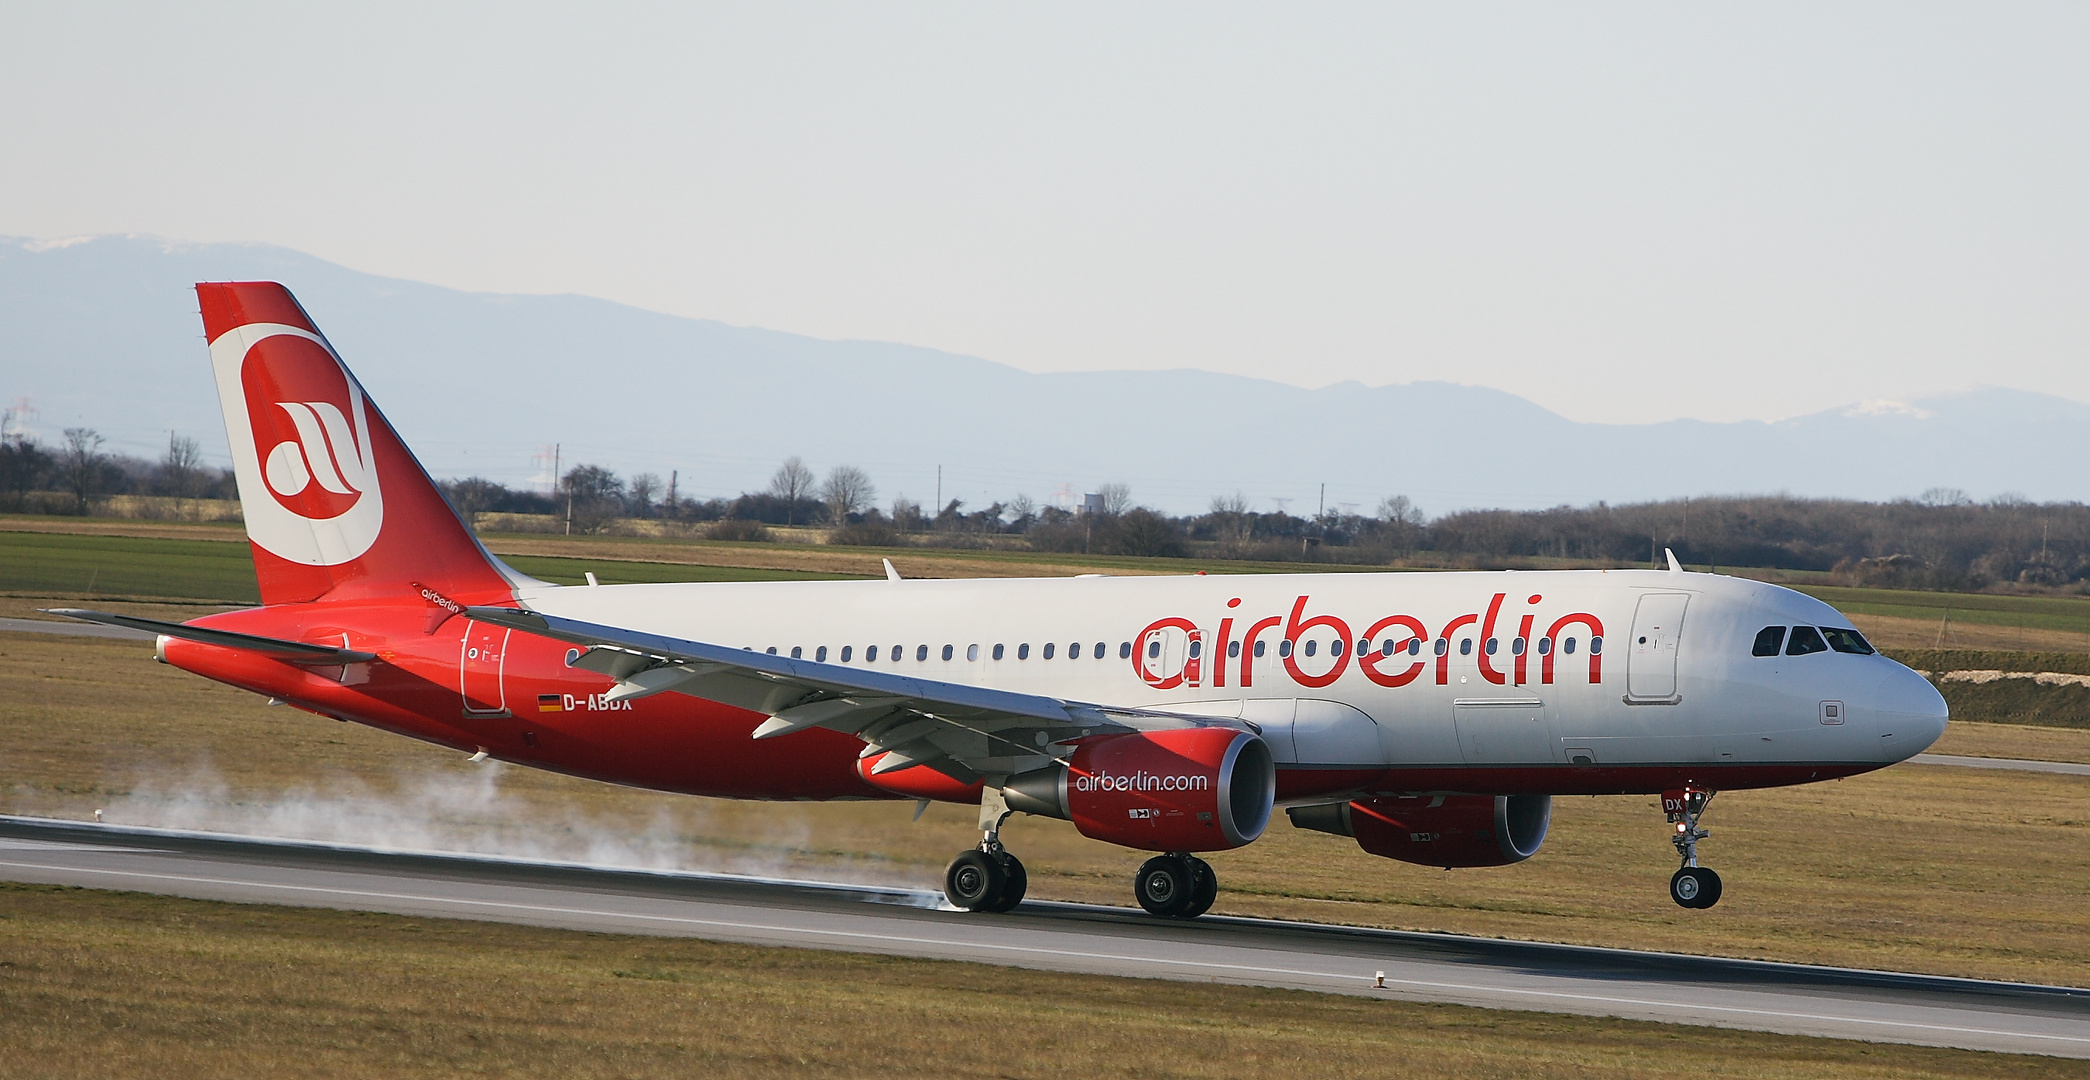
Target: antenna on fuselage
{"points": [[1674, 566]]}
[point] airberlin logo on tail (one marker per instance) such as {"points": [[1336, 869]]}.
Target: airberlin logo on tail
{"points": [[308, 478]]}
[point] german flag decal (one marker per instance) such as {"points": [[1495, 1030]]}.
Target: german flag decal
{"points": [[550, 703]]}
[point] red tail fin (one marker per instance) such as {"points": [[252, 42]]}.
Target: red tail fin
{"points": [[336, 506]]}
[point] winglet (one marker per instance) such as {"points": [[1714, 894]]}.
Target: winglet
{"points": [[1674, 566], [890, 573]]}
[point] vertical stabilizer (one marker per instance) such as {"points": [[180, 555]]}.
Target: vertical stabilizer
{"points": [[335, 504]]}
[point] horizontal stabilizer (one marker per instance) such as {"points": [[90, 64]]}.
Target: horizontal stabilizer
{"points": [[297, 652]]}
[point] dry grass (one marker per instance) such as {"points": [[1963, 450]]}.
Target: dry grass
{"points": [[110, 984], [1919, 868], [1894, 632]]}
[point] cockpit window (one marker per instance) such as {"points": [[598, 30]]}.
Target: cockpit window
{"points": [[1767, 641], [1843, 639], [1804, 640]]}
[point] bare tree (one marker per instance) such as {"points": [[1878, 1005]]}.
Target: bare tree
{"points": [[83, 464], [907, 514], [641, 492], [1022, 511], [1397, 510], [1117, 498], [848, 490], [1232, 514], [792, 483], [181, 470], [594, 495]]}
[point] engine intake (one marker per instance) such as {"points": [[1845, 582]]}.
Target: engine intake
{"points": [[1446, 831], [1194, 789]]}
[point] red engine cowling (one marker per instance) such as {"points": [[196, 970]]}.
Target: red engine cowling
{"points": [[1195, 789], [1446, 831]]}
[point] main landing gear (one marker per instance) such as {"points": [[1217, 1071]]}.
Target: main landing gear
{"points": [[1692, 886], [987, 878], [1176, 885]]}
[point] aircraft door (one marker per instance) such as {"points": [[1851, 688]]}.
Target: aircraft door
{"points": [[1167, 656], [483, 654], [1504, 731], [1658, 625]]}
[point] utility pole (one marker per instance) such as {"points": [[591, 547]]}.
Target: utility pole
{"points": [[673, 475], [556, 484], [938, 508]]}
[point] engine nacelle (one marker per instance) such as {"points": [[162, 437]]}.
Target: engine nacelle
{"points": [[1194, 789], [1446, 831]]}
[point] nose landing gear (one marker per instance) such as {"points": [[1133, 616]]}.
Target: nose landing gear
{"points": [[1692, 886], [987, 878]]}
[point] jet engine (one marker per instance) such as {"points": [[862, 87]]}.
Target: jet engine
{"points": [[1193, 789], [1441, 830]]}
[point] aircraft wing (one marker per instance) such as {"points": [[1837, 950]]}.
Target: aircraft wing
{"points": [[964, 732]]}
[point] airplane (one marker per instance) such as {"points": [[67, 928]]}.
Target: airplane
{"points": [[1430, 716]]}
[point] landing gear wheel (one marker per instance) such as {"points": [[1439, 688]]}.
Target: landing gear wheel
{"points": [[975, 881], [1014, 882], [1166, 885], [1203, 892], [1695, 887]]}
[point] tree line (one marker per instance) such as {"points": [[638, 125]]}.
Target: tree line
{"points": [[76, 476], [1940, 540]]}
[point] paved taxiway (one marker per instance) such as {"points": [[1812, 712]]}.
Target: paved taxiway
{"points": [[1878, 1006]]}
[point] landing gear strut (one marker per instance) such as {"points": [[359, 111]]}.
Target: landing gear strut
{"points": [[987, 878], [1176, 885], [1692, 886]]}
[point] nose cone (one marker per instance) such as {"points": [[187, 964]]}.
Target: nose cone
{"points": [[1910, 713]]}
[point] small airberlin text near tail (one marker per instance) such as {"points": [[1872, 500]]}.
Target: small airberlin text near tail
{"points": [[335, 505]]}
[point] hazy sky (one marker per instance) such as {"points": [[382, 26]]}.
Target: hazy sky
{"points": [[1624, 212]]}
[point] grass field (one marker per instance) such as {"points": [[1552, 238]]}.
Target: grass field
{"points": [[96, 984], [1954, 871]]}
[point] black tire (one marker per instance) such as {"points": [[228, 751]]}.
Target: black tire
{"points": [[1203, 892], [1694, 887], [974, 881], [1165, 885], [1013, 885]]}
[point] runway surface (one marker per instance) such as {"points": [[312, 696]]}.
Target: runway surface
{"points": [[1878, 1006]]}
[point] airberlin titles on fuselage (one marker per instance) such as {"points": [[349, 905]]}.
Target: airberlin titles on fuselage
{"points": [[1389, 652]]}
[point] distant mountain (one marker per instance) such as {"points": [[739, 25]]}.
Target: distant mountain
{"points": [[103, 333]]}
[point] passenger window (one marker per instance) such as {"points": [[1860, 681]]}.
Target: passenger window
{"points": [[1442, 646], [1048, 650], [899, 652], [1074, 651], [1124, 650], [1414, 646], [1284, 648], [1197, 649], [997, 652], [921, 652], [1261, 647], [1768, 640], [1844, 639], [1154, 649], [1099, 650], [1386, 647], [1310, 646], [1465, 646], [797, 652], [972, 652], [1023, 651], [1805, 640], [1567, 646], [1233, 648], [947, 651], [1545, 646], [1335, 648], [1596, 644], [820, 655], [1516, 647], [771, 650], [870, 653], [1489, 645]]}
